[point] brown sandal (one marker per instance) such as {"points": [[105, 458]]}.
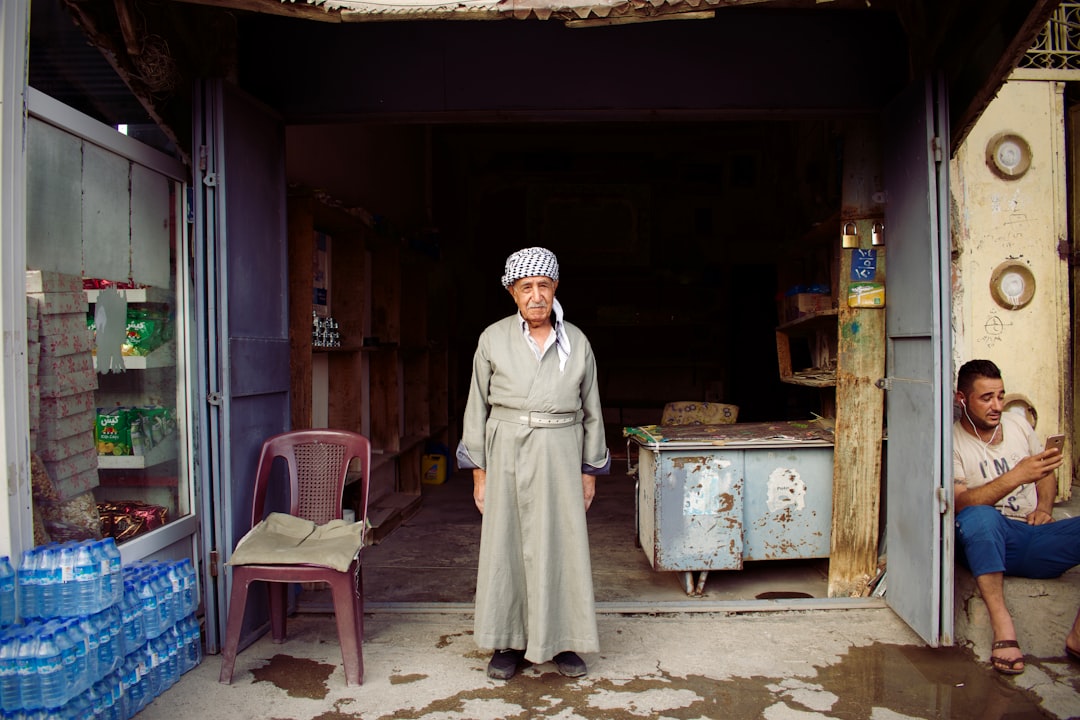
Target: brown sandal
{"points": [[1003, 666]]}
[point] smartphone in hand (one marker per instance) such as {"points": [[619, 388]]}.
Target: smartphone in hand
{"points": [[1055, 441]]}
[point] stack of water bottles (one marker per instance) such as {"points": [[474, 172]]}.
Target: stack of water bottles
{"points": [[94, 639]]}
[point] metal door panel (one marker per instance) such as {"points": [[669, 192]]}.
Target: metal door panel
{"points": [[917, 351], [242, 257]]}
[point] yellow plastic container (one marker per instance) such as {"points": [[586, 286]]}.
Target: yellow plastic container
{"points": [[433, 469]]}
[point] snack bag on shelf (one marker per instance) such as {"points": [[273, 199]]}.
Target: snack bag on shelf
{"points": [[113, 431]]}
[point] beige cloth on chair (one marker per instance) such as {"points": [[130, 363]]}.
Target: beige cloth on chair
{"points": [[283, 539]]}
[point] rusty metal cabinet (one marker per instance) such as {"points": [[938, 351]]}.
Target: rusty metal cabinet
{"points": [[703, 507]]}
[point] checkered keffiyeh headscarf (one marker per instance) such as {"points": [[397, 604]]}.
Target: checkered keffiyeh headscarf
{"points": [[530, 262]]}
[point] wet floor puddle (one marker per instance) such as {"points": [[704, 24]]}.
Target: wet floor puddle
{"points": [[872, 682]]}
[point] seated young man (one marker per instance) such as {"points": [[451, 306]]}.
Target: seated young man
{"points": [[1004, 492]]}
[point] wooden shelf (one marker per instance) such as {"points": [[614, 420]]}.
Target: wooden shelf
{"points": [[164, 356], [808, 323], [393, 391], [136, 295], [820, 330], [390, 511]]}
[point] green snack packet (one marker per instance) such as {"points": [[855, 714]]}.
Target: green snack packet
{"points": [[143, 332], [113, 431]]}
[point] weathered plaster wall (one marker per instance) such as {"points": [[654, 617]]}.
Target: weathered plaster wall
{"points": [[1023, 219]]}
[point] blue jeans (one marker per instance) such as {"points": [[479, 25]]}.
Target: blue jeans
{"points": [[989, 542]]}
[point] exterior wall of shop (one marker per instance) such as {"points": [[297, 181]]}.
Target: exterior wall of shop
{"points": [[1023, 220], [15, 514]]}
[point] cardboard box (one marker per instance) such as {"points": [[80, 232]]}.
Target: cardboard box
{"points": [[55, 428], [38, 281], [31, 318], [59, 449], [63, 324], [66, 364], [85, 461], [58, 303], [802, 304], [58, 407], [75, 485], [55, 345], [53, 386]]}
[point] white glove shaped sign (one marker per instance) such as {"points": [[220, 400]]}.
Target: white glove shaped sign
{"points": [[110, 318]]}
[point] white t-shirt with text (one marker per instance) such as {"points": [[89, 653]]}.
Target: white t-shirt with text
{"points": [[975, 463]]}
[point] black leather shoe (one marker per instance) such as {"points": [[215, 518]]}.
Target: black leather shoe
{"points": [[569, 664], [504, 663]]}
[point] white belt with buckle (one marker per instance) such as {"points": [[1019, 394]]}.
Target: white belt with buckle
{"points": [[536, 419]]}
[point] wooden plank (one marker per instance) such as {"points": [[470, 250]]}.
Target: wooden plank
{"points": [[386, 293], [414, 303], [409, 470], [860, 404], [417, 410], [301, 250], [345, 397], [438, 393], [349, 297], [385, 408]]}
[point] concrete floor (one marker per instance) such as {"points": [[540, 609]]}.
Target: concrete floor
{"points": [[728, 654], [432, 558]]}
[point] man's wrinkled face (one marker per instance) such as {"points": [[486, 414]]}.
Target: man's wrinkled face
{"points": [[533, 296], [985, 403]]}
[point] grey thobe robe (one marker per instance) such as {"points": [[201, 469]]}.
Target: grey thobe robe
{"points": [[534, 586]]}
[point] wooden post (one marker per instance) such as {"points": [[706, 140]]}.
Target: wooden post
{"points": [[859, 403], [301, 251]]}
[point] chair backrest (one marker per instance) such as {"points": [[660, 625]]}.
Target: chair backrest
{"points": [[318, 462], [691, 412]]}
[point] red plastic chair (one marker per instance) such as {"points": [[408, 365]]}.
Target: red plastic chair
{"points": [[318, 461]]}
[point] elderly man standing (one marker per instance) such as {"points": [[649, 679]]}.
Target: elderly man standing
{"points": [[534, 436]]}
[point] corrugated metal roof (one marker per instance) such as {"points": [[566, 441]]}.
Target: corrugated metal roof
{"points": [[639, 10]]}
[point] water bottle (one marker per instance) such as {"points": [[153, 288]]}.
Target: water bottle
{"points": [[133, 685], [151, 676], [61, 564], [86, 627], [103, 588], [189, 593], [175, 640], [161, 657], [26, 667], [9, 671], [115, 699], [131, 618], [28, 581], [67, 653], [81, 706], [104, 702], [7, 592], [115, 570], [193, 643], [87, 579], [166, 598], [108, 622], [151, 614], [50, 668], [80, 673], [50, 577]]}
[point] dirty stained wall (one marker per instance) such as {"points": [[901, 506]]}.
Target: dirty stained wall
{"points": [[1020, 218]]}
